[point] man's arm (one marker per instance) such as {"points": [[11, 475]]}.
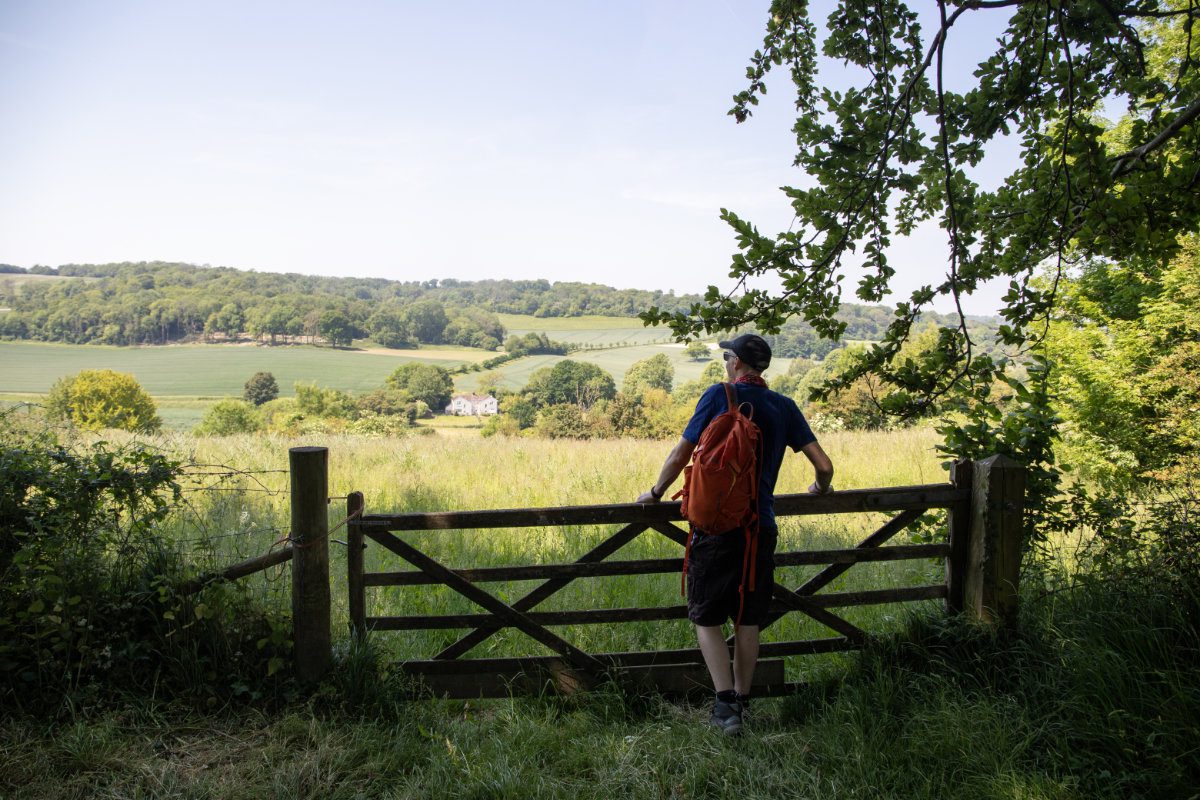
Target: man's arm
{"points": [[676, 461], [823, 466]]}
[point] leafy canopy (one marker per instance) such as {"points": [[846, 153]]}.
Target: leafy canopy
{"points": [[897, 148]]}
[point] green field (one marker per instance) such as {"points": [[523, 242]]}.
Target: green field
{"points": [[214, 370], [587, 331], [186, 379]]}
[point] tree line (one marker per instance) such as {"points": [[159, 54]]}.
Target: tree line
{"points": [[161, 303]]}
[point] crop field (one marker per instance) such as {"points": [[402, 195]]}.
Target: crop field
{"points": [[592, 330], [213, 370], [456, 472]]}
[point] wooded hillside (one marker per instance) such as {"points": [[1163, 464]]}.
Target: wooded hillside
{"points": [[160, 303]]}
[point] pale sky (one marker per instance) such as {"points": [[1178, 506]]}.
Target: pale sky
{"points": [[566, 140]]}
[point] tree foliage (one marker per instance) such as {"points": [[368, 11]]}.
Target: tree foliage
{"points": [[898, 149], [260, 388], [655, 372], [570, 382], [102, 398], [1127, 341], [428, 383], [228, 417]]}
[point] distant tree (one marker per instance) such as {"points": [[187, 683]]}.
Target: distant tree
{"points": [[570, 381], [228, 417], [317, 401], [697, 351], [626, 416], [101, 398], [563, 421], [520, 410], [390, 327], [428, 320], [428, 383], [489, 382], [655, 372], [228, 320], [336, 327], [261, 388]]}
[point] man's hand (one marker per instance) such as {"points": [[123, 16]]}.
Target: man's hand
{"points": [[816, 489], [647, 497]]}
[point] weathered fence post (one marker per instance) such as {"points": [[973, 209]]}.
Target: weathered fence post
{"points": [[993, 557], [959, 520], [354, 565], [310, 561]]}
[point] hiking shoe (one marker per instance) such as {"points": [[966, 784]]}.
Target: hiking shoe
{"points": [[727, 717]]}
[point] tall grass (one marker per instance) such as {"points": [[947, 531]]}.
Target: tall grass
{"points": [[1093, 695], [462, 472]]}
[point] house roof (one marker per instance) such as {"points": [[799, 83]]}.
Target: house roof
{"points": [[473, 398]]}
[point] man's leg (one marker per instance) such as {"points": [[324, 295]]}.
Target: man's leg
{"points": [[716, 655], [745, 658]]}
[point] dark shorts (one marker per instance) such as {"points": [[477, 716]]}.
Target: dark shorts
{"points": [[714, 577]]}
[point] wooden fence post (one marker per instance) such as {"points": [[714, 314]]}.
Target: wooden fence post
{"points": [[959, 521], [310, 562], [993, 556], [354, 565]]}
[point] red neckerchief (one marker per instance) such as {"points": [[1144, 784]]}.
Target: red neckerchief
{"points": [[752, 380]]}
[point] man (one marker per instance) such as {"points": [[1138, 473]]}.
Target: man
{"points": [[714, 570]]}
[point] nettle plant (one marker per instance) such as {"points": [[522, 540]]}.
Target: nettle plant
{"points": [[896, 148]]}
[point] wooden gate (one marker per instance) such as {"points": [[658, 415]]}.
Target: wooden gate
{"points": [[982, 555]]}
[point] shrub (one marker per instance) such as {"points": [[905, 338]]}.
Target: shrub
{"points": [[565, 421], [101, 398], [88, 602], [228, 417]]}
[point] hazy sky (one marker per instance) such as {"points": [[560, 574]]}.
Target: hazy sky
{"points": [[407, 140]]}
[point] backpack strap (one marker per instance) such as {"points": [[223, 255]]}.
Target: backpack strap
{"points": [[730, 396]]}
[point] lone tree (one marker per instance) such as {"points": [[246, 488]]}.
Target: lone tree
{"points": [[697, 351], [101, 398], [261, 388], [898, 148]]}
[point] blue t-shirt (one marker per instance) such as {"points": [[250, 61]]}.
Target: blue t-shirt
{"points": [[776, 415]]}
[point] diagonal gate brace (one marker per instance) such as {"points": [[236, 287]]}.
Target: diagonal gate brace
{"points": [[545, 590], [502, 610], [831, 573]]}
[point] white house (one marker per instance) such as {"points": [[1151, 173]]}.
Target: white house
{"points": [[467, 405]]}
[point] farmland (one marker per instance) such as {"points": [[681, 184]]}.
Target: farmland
{"points": [[186, 379]]}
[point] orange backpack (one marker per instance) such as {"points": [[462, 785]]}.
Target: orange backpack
{"points": [[720, 487]]}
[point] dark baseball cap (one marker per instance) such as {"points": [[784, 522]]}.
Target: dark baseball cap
{"points": [[750, 348]]}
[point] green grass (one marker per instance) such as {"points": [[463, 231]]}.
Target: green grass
{"points": [[1094, 696], [457, 470]]}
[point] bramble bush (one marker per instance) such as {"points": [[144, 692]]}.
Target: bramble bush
{"points": [[89, 589]]}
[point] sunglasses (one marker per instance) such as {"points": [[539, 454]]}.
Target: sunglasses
{"points": [[728, 356]]}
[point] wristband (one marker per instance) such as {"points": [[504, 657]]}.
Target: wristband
{"points": [[656, 495]]}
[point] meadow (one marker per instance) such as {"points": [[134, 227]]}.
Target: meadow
{"points": [[448, 472]]}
